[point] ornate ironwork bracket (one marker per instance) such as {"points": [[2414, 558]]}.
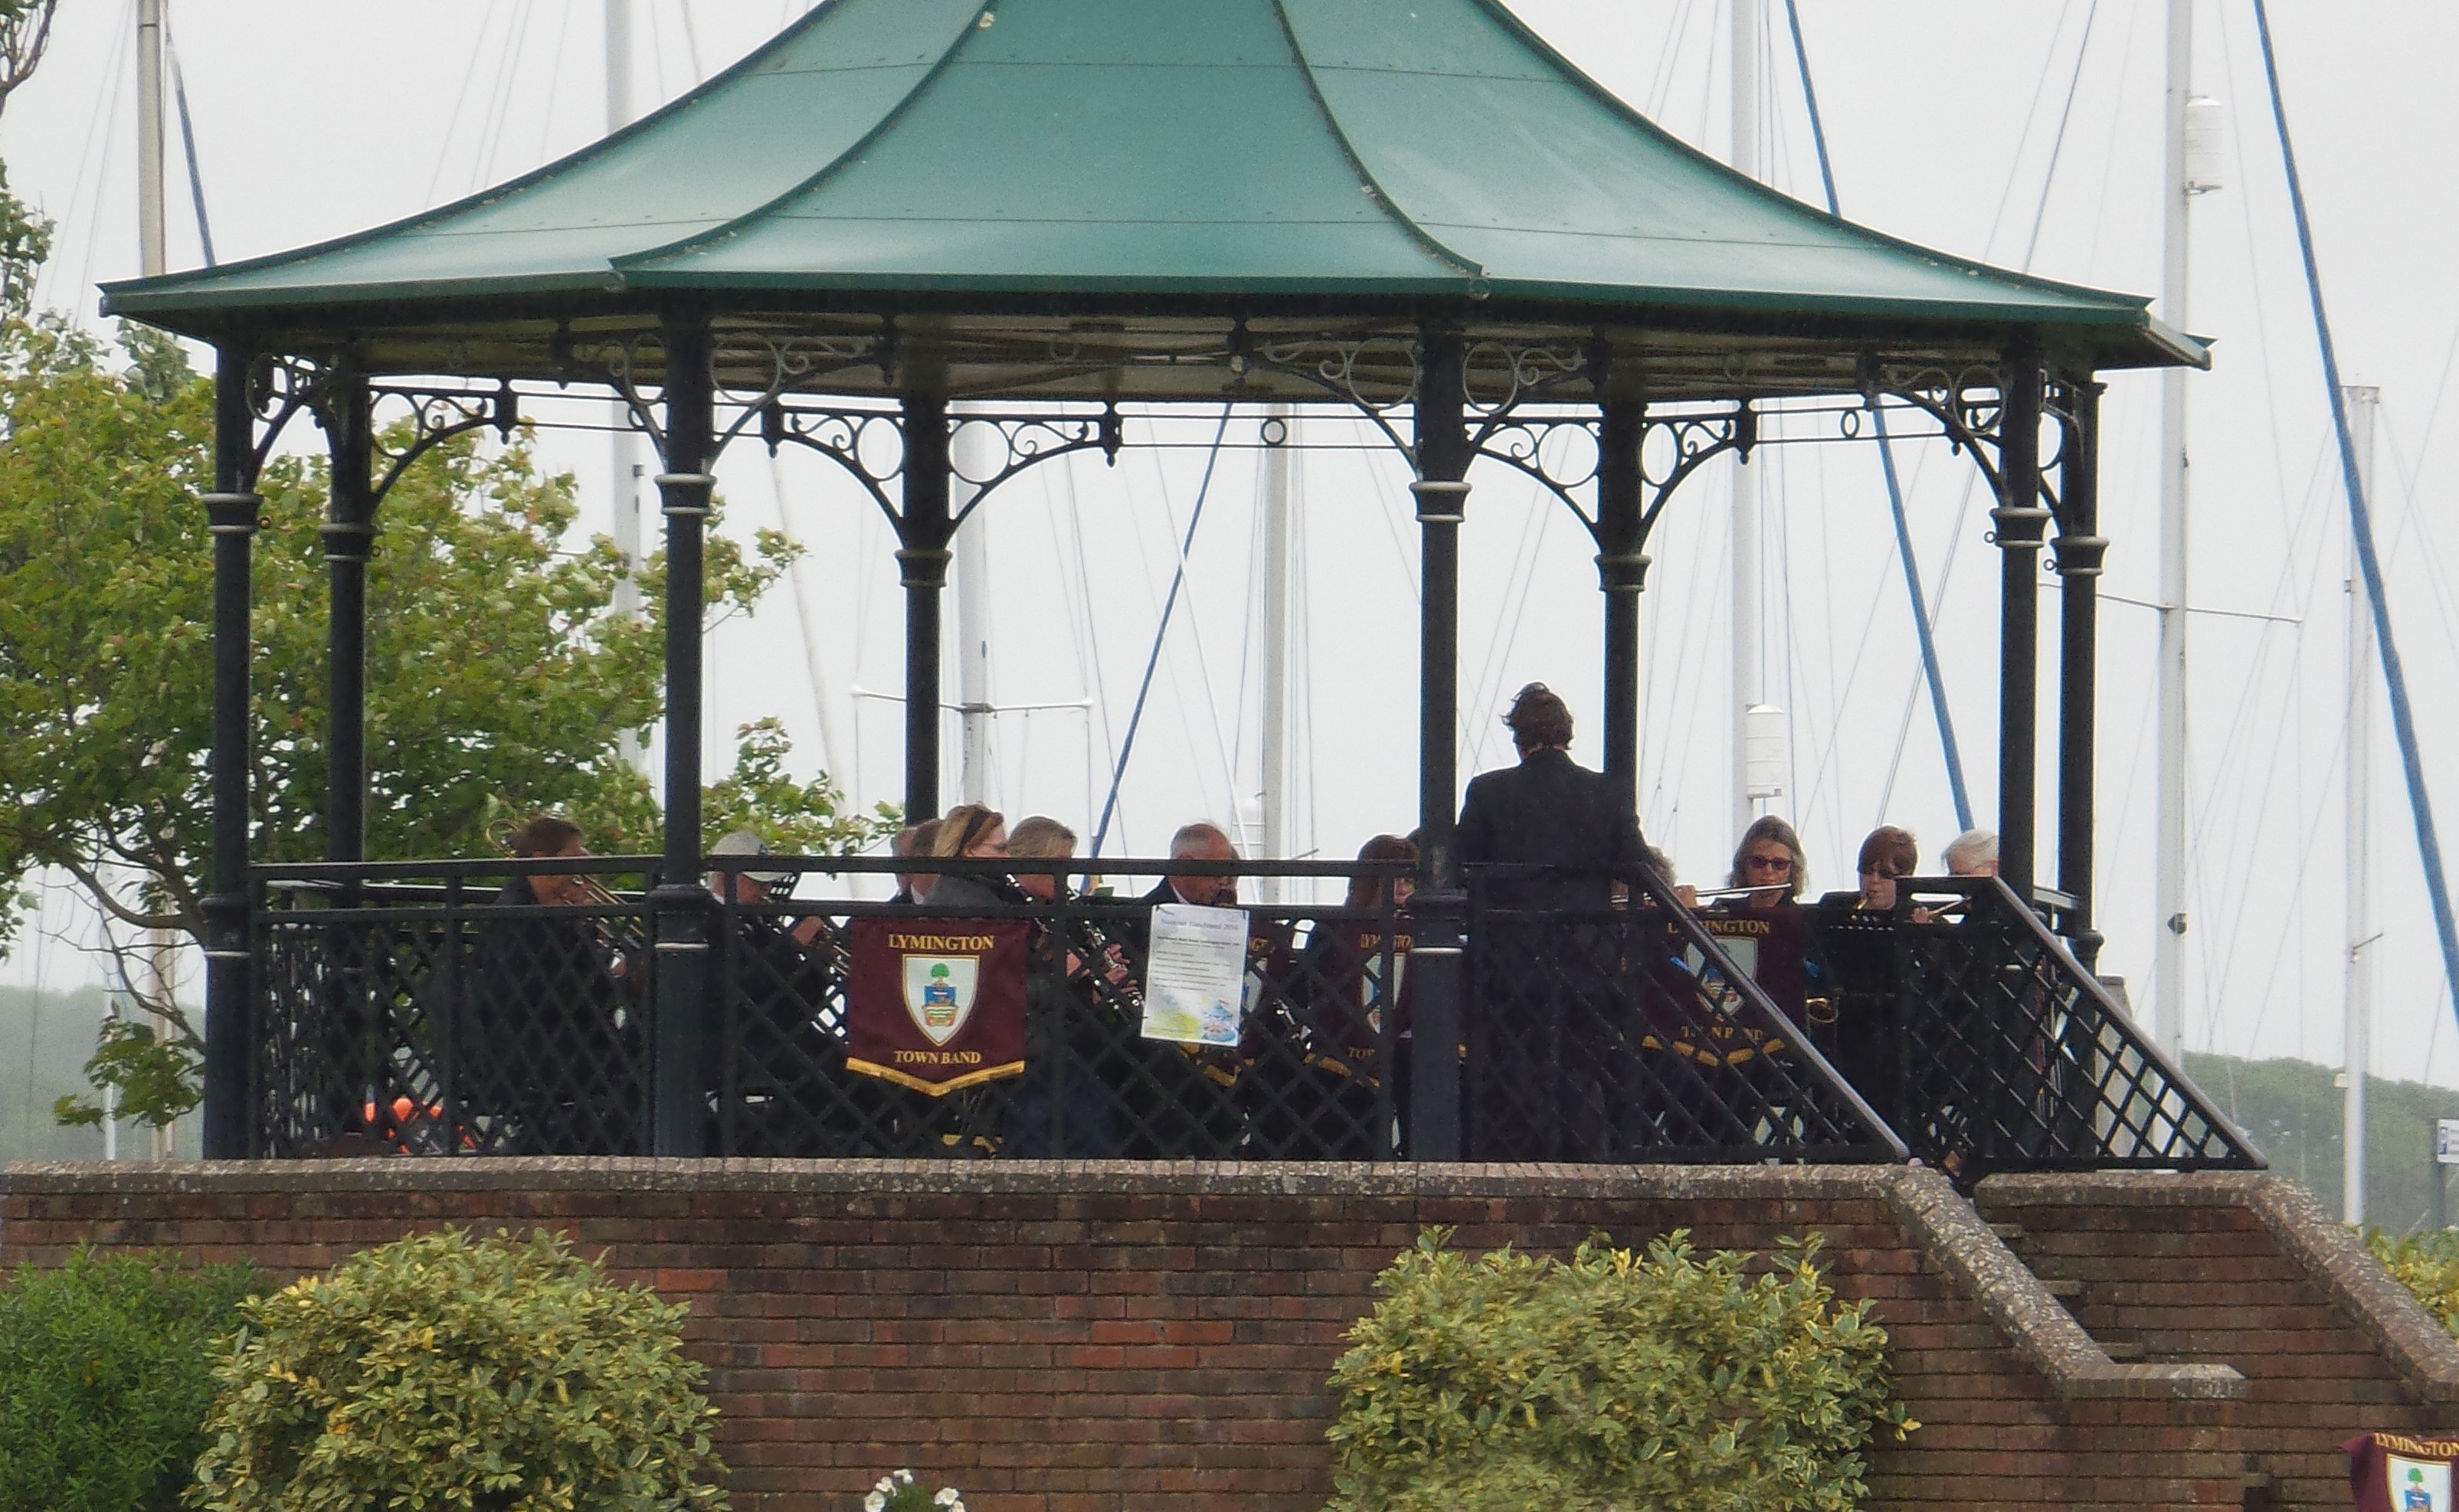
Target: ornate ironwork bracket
{"points": [[1671, 448], [843, 435], [1033, 439], [839, 434], [1968, 405], [279, 390], [436, 416], [1364, 374]]}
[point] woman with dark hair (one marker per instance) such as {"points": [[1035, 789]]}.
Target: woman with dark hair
{"points": [[1352, 981]]}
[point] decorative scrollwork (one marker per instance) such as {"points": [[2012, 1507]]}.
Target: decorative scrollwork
{"points": [[622, 360], [1672, 446], [1533, 445], [766, 367], [868, 444], [278, 389], [1030, 439], [1525, 373], [437, 415], [1351, 370]]}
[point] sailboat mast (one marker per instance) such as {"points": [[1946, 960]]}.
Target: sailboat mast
{"points": [[2168, 868], [2363, 401], [1273, 842], [623, 445], [1747, 688], [152, 257], [974, 453]]}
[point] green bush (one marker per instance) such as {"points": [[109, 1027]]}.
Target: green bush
{"points": [[2427, 1264], [105, 1376], [495, 1376], [1667, 1382]]}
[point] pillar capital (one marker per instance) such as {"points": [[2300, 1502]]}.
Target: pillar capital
{"points": [[1623, 572], [1441, 501], [2080, 556], [234, 514], [2020, 529]]}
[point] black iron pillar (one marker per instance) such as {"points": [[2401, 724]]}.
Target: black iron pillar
{"points": [[1435, 960], [2021, 524], [923, 530], [231, 516], [678, 1122], [1622, 572], [349, 534], [2080, 551]]}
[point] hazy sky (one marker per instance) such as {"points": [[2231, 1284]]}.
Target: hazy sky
{"points": [[314, 119]]}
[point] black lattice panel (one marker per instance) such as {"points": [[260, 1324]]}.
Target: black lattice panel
{"points": [[1624, 1035], [2006, 1055]]}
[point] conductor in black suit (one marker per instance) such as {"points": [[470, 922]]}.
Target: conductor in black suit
{"points": [[1541, 846]]}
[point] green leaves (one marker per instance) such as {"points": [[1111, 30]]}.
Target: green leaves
{"points": [[1663, 1381], [2427, 1264], [105, 1376], [494, 1375], [500, 679]]}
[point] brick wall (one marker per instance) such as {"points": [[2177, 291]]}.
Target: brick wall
{"points": [[1078, 1336], [2247, 1273]]}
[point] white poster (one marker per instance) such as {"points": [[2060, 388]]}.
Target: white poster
{"points": [[1195, 974]]}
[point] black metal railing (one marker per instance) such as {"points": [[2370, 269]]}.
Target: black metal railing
{"points": [[1973, 1029], [438, 1008]]}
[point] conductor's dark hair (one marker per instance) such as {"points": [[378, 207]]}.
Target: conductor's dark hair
{"points": [[1537, 718], [544, 835]]}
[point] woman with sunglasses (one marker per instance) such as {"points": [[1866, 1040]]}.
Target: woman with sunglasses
{"points": [[1759, 922]]}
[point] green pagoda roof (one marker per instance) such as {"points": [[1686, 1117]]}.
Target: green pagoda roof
{"points": [[1040, 178]]}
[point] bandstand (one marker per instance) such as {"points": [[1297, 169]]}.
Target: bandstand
{"points": [[1057, 213]]}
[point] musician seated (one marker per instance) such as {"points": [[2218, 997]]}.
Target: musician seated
{"points": [[779, 1058], [1199, 841], [968, 833], [551, 1051], [1971, 853], [914, 840], [1077, 1017], [1887, 853], [1759, 923]]}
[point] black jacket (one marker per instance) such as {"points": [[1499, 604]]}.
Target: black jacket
{"points": [[1548, 811]]}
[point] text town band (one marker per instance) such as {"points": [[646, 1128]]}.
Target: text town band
{"points": [[989, 1008]]}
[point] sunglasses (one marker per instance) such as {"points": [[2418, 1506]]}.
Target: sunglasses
{"points": [[1768, 863]]}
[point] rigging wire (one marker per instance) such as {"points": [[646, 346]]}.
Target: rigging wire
{"points": [[1904, 554], [1160, 632], [2402, 718], [188, 141]]}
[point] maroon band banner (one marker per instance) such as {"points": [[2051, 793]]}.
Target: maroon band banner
{"points": [[936, 1004], [2395, 1473]]}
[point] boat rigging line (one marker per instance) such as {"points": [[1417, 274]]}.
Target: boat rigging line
{"points": [[1160, 632], [2402, 717], [1886, 448]]}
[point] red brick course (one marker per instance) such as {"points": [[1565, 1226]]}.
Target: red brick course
{"points": [[1062, 1336]]}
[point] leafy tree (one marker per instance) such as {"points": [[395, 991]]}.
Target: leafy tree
{"points": [[500, 678]]}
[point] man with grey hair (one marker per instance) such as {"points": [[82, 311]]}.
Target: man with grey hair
{"points": [[1971, 853], [1199, 841]]}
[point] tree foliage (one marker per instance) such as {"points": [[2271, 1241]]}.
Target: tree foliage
{"points": [[1665, 1381], [500, 679], [105, 1376]]}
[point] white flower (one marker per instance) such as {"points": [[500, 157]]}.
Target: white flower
{"points": [[904, 1477], [947, 1497], [877, 1501], [884, 1485]]}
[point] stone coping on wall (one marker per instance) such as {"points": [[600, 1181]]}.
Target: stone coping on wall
{"points": [[2328, 1251], [1941, 1223]]}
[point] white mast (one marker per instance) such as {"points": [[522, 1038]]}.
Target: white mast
{"points": [[2362, 404], [2169, 869], [624, 445], [975, 453], [150, 217], [1747, 690], [153, 257], [1274, 844]]}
